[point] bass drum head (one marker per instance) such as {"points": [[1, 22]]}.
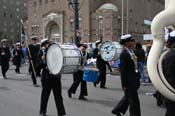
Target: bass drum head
{"points": [[54, 59], [107, 51]]}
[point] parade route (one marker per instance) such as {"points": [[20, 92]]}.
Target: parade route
{"points": [[18, 97]]}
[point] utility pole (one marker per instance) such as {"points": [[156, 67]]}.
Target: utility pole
{"points": [[76, 22], [74, 4], [127, 17], [122, 17]]}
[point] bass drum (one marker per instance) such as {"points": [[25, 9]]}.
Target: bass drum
{"points": [[63, 59], [110, 50]]}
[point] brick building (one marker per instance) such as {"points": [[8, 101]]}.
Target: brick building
{"points": [[11, 13], [97, 18]]}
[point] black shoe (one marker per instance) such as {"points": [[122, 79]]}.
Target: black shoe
{"points": [[4, 75], [42, 114], [155, 95], [18, 72], [69, 94], [82, 98], [103, 87], [35, 85], [116, 113]]}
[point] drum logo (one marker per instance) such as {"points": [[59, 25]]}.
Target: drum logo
{"points": [[107, 51]]}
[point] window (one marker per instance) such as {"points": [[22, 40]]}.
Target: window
{"points": [[40, 2], [11, 23], [18, 24], [17, 9], [17, 3], [12, 36], [46, 1], [12, 30], [35, 29], [34, 3], [25, 4], [5, 30], [72, 24], [4, 14], [100, 23], [4, 7], [11, 1], [80, 23], [5, 23], [11, 16]]}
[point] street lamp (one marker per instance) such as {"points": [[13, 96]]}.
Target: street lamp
{"points": [[74, 4]]}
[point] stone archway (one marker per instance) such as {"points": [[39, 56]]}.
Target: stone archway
{"points": [[108, 23], [108, 6], [53, 26], [52, 31]]}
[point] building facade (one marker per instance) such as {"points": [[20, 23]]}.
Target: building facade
{"points": [[108, 19], [11, 14]]}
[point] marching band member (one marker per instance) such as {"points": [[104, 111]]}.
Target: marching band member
{"points": [[130, 79], [49, 82], [168, 70], [101, 65], [5, 57], [17, 56], [78, 78], [33, 58]]}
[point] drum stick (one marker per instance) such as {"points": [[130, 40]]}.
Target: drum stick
{"points": [[30, 58]]}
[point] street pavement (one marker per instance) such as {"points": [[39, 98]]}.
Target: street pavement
{"points": [[18, 97]]}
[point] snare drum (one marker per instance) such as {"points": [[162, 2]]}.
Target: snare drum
{"points": [[110, 50], [63, 59]]}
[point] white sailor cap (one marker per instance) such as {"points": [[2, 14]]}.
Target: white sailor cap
{"points": [[171, 37], [126, 38], [172, 34], [169, 30], [44, 41], [18, 43], [3, 40]]}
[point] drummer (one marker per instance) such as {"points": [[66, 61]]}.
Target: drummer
{"points": [[49, 82], [77, 77]]}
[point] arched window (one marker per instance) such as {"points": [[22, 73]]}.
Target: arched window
{"points": [[108, 6]]}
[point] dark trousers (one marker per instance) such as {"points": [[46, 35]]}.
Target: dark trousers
{"points": [[4, 68], [77, 79], [130, 98], [170, 108], [159, 98], [17, 63], [17, 68], [55, 86], [102, 79]]}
